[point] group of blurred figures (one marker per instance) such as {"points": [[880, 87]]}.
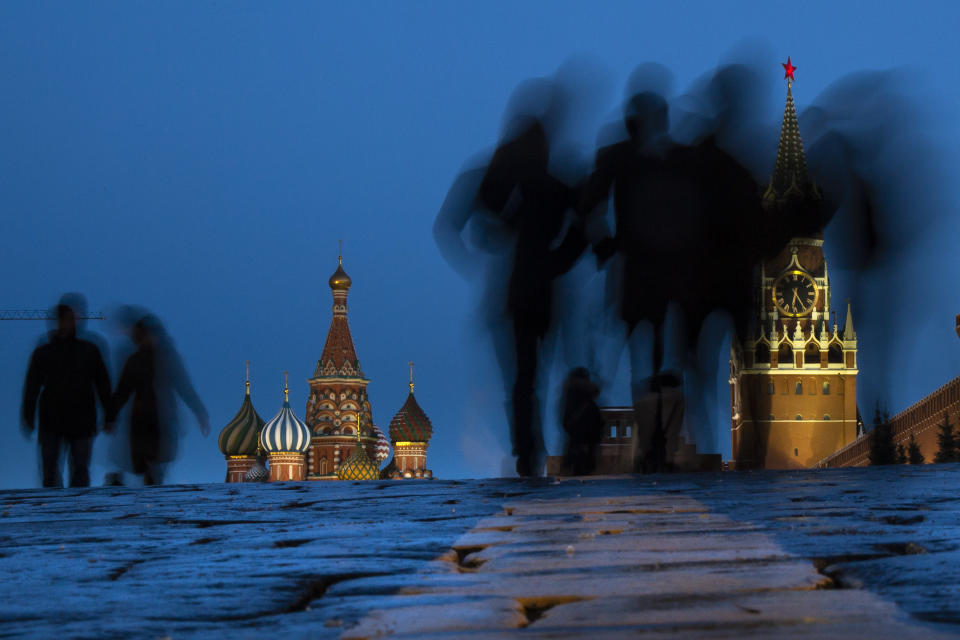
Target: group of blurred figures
{"points": [[672, 208], [67, 377]]}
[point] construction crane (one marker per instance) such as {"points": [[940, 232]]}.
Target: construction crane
{"points": [[43, 314]]}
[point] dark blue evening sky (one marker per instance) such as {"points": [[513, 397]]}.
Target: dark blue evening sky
{"points": [[203, 158]]}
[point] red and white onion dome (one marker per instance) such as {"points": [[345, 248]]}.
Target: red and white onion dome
{"points": [[383, 446]]}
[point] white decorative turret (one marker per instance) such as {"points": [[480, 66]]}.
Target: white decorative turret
{"points": [[286, 438], [849, 335]]}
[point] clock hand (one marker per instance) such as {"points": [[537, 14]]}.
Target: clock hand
{"points": [[796, 297]]}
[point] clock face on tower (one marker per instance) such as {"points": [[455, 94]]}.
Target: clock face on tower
{"points": [[794, 293]]}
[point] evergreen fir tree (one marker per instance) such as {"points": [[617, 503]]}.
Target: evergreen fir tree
{"points": [[901, 454], [914, 455], [882, 449], [946, 442]]}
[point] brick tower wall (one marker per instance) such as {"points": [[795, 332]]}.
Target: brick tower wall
{"points": [[287, 467], [237, 466]]}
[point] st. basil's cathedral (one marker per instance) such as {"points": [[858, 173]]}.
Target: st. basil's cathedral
{"points": [[338, 439]]}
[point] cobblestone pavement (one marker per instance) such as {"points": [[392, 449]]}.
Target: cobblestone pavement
{"points": [[839, 553]]}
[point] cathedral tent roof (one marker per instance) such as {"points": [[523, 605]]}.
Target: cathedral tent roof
{"points": [[338, 349]]}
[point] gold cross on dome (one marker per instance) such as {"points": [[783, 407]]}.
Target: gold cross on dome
{"points": [[411, 376]]}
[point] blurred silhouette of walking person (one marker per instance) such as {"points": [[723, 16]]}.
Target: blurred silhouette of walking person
{"points": [[68, 376], [654, 207], [154, 376], [519, 187], [513, 214], [582, 422]]}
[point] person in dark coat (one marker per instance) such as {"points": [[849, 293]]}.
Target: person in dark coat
{"points": [[154, 375], [582, 422], [68, 376], [518, 187]]}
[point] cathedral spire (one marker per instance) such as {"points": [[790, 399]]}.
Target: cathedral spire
{"points": [[339, 357]]}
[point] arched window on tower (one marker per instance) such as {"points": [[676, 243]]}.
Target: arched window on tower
{"points": [[799, 388], [786, 354], [835, 354], [811, 355], [826, 389], [762, 353], [323, 466]]}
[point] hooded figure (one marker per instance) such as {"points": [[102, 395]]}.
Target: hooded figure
{"points": [[154, 375]]}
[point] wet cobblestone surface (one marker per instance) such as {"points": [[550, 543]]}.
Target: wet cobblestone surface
{"points": [[813, 553]]}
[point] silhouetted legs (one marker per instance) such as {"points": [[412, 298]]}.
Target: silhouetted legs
{"points": [[525, 429], [80, 449], [658, 400]]}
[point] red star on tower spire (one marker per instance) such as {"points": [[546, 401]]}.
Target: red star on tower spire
{"points": [[788, 70]]}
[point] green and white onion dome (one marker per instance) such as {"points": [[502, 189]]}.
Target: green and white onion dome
{"points": [[383, 446], [358, 466], [285, 432], [239, 437]]}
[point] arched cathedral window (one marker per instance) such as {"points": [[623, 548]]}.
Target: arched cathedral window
{"points": [[762, 353], [799, 388], [812, 354], [835, 354], [786, 354]]}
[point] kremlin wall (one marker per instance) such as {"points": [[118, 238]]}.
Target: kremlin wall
{"points": [[337, 440]]}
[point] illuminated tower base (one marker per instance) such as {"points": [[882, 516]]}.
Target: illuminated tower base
{"points": [[287, 467]]}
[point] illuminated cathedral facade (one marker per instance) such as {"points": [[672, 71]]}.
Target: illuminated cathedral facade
{"points": [[793, 382], [338, 439]]}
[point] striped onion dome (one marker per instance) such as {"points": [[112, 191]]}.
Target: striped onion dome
{"points": [[285, 433], [239, 437], [358, 466], [410, 424], [257, 473], [383, 446]]}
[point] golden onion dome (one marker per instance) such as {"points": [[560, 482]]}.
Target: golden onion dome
{"points": [[358, 466], [340, 281]]}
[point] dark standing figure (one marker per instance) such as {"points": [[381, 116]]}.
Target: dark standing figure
{"points": [[652, 207], [582, 422], [154, 375], [681, 215], [518, 187], [68, 376]]}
